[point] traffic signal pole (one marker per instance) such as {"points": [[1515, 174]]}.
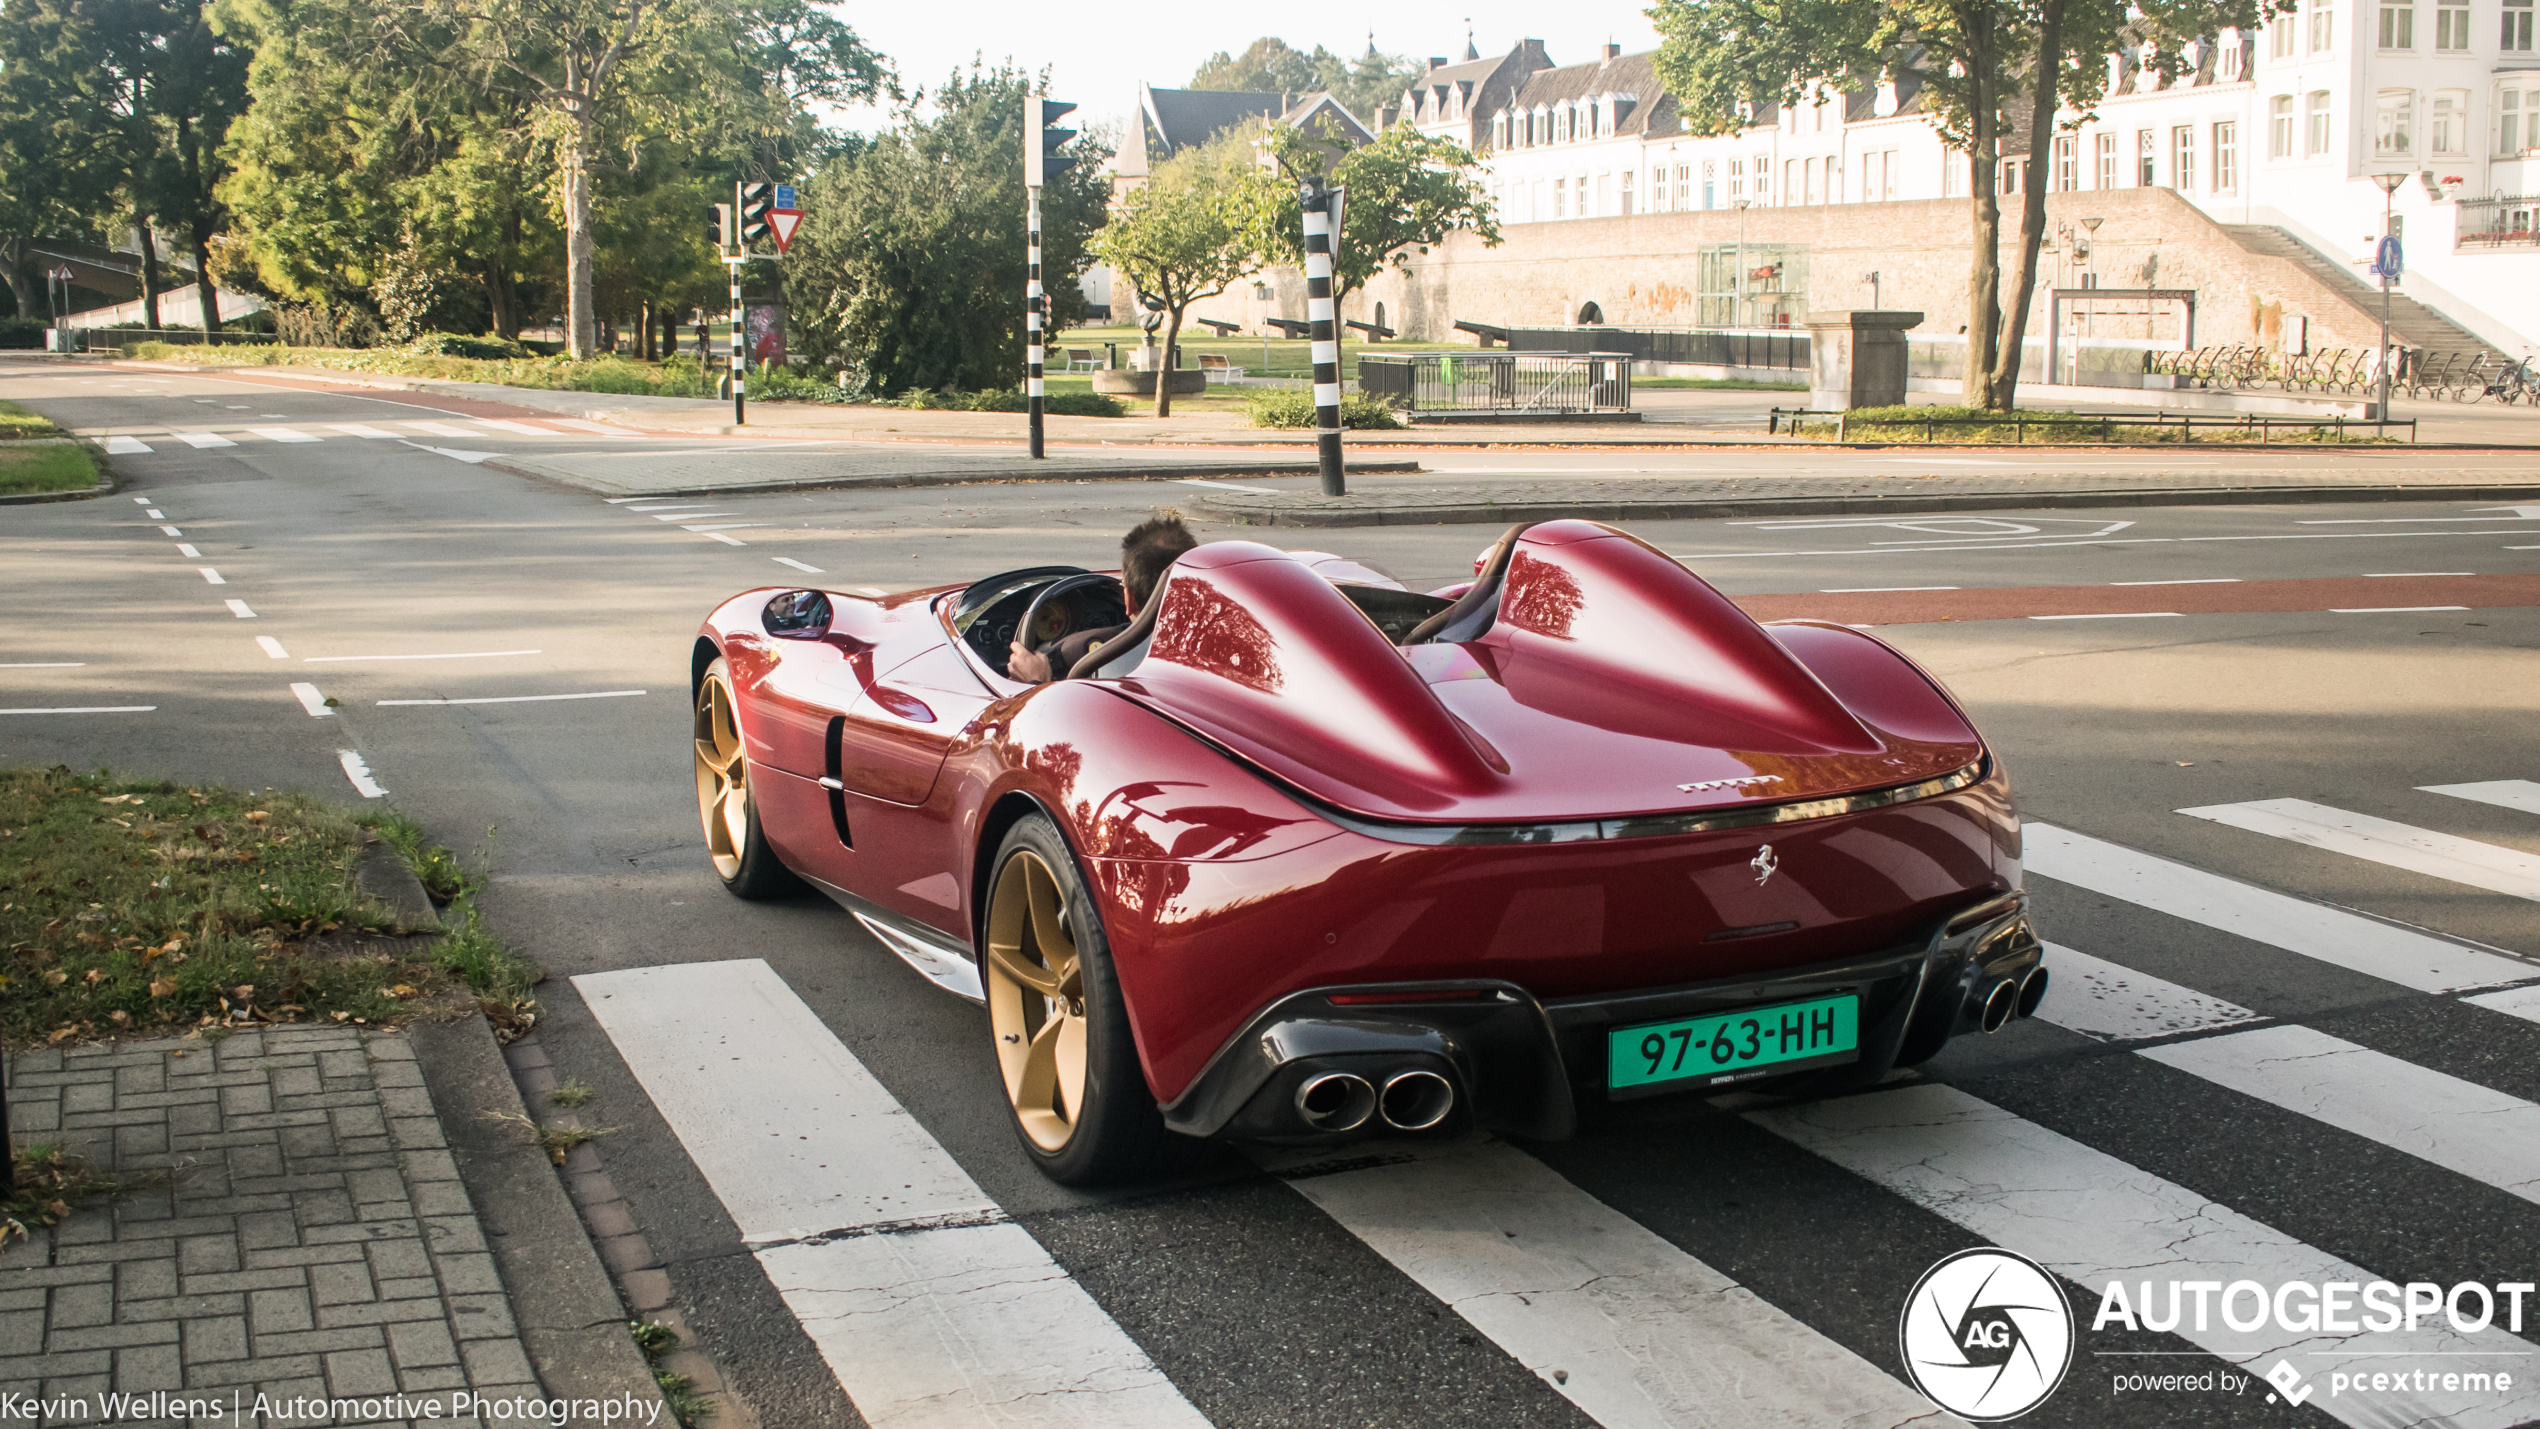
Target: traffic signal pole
{"points": [[1324, 329], [740, 364], [1033, 304]]}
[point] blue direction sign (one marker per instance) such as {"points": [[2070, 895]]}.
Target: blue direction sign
{"points": [[785, 196], [2387, 261]]}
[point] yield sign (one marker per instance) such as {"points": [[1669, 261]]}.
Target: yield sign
{"points": [[781, 224]]}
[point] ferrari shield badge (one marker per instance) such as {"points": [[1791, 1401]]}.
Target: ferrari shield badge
{"points": [[1764, 864]]}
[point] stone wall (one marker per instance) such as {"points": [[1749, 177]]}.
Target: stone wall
{"points": [[1641, 271]]}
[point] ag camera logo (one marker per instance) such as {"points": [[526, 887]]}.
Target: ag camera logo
{"points": [[1986, 1335]]}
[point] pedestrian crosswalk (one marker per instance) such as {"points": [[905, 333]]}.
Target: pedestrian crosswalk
{"points": [[133, 443], [933, 1304]]}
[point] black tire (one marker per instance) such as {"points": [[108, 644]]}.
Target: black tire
{"points": [[736, 846], [1115, 1132]]}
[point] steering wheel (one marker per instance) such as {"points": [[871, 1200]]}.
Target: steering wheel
{"points": [[1031, 620]]}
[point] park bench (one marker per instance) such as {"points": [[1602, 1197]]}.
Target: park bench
{"points": [[1081, 359], [1213, 367]]}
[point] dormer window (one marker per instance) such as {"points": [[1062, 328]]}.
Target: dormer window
{"points": [[1561, 125], [1499, 132]]}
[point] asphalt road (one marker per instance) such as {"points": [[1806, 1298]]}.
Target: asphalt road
{"points": [[506, 658]]}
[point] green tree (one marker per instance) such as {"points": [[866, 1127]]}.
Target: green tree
{"points": [[1188, 234], [910, 268], [1271, 66], [1982, 62], [186, 85], [62, 137], [1404, 194]]}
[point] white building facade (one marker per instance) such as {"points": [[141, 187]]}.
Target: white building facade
{"points": [[2284, 126]]}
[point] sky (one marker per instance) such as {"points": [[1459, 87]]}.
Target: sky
{"points": [[1098, 55]]}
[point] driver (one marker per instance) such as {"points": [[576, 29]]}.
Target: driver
{"points": [[1145, 553]]}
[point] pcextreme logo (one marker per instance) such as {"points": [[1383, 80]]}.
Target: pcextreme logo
{"points": [[1986, 1335]]}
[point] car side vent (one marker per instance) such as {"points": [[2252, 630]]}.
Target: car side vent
{"points": [[836, 783]]}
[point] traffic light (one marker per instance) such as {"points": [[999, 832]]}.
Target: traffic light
{"points": [[719, 228], [756, 200], [1041, 143]]}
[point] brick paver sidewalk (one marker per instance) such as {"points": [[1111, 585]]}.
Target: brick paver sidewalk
{"points": [[312, 1239]]}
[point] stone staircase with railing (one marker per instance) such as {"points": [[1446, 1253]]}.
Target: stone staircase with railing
{"points": [[2412, 324]]}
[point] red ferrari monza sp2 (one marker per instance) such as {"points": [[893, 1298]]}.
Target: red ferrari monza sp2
{"points": [[1301, 856]]}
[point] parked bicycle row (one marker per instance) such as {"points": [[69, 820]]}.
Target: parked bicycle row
{"points": [[2425, 376]]}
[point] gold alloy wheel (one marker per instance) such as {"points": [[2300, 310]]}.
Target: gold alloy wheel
{"points": [[1036, 1000], [723, 778]]}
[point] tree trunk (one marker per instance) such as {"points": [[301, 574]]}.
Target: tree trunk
{"points": [[1164, 359], [1984, 260], [22, 287], [2004, 389], [204, 292], [502, 300], [149, 272], [577, 242]]}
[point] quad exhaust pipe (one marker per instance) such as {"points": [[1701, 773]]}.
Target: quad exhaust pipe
{"points": [[1335, 1101], [1416, 1100], [1411, 1099]]}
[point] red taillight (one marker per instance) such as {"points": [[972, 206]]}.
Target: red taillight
{"points": [[1359, 999]]}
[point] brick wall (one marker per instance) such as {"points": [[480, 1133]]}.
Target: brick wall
{"points": [[1640, 271]]}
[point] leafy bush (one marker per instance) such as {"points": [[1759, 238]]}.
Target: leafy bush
{"points": [[1009, 399], [22, 332], [1294, 407], [449, 344]]}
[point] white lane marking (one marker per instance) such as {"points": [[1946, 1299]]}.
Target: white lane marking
{"points": [[155, 514], [211, 575], [471, 458], [87, 709], [2527, 513], [2520, 794], [2458, 1125], [2201, 580], [2346, 940], [719, 536], [797, 565], [931, 1307], [683, 513], [439, 429], [2094, 1219], [358, 770], [170, 532], [141, 501], [728, 526], [2116, 615], [200, 440], [45, 665], [2444, 856], [2523, 548], [1878, 589], [124, 446], [284, 434], [519, 699], [2388, 609], [272, 647], [1229, 486], [187, 551], [311, 700], [456, 655], [580, 425], [239, 608], [2522, 1002], [357, 429], [2394, 575], [1644, 1333], [2107, 1002], [500, 425], [238, 406]]}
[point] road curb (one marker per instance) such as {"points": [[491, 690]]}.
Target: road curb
{"points": [[568, 1313], [1184, 472], [1234, 510]]}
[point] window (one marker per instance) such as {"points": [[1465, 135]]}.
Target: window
{"points": [[2451, 27], [1560, 198], [2009, 182], [2183, 158], [2280, 38], [2227, 157], [1791, 190], [2228, 59], [2517, 121], [1953, 175], [1710, 182], [1763, 179], [2398, 27], [2146, 160], [1821, 113], [2067, 163], [2107, 148], [1737, 178], [2323, 28], [2392, 112], [2517, 35], [1499, 132], [1579, 188], [2449, 133], [1834, 179], [2316, 141], [2280, 127], [1561, 125]]}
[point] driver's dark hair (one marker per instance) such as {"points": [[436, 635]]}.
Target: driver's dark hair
{"points": [[1150, 547]]}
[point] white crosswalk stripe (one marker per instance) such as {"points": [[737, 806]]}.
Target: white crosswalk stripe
{"points": [[2108, 1003], [2523, 794], [284, 434], [202, 440], [1644, 1334], [2458, 860], [2093, 1219], [441, 429], [2398, 955], [357, 429], [502, 425], [123, 446], [929, 1305]]}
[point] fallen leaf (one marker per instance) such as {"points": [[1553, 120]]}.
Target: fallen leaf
{"points": [[179, 1052], [95, 976], [57, 977], [60, 1034], [342, 1015], [258, 816], [161, 987], [119, 1017], [2184, 763], [243, 991]]}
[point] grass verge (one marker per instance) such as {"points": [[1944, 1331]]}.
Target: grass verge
{"points": [[128, 906], [17, 423], [35, 467]]}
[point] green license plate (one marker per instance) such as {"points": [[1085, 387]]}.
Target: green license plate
{"points": [[1732, 1046]]}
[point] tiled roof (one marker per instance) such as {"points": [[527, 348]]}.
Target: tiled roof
{"points": [[1187, 117]]}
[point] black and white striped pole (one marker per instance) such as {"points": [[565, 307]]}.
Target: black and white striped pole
{"points": [[740, 368], [1032, 308], [1325, 331]]}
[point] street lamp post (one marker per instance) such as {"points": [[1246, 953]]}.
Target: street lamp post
{"points": [[2385, 262]]}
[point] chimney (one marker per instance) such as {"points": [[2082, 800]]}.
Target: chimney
{"points": [[1437, 61], [1613, 51]]}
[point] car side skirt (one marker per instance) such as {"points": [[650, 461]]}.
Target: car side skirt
{"points": [[936, 955]]}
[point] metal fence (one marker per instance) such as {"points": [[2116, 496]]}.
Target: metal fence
{"points": [[1778, 349], [112, 339], [2501, 222], [1511, 382]]}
